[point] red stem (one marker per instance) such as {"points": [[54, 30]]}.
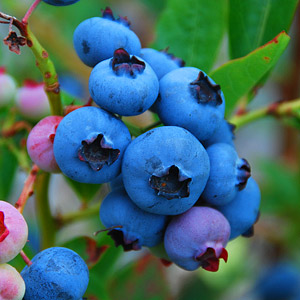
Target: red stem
{"points": [[25, 258], [15, 128], [27, 189], [30, 11]]}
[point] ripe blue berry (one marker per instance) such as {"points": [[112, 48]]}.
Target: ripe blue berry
{"points": [[197, 238], [228, 174], [139, 228], [279, 281], [161, 61], [56, 273], [165, 170], [60, 2], [89, 145], [96, 39], [224, 134], [192, 100], [124, 84], [243, 211]]}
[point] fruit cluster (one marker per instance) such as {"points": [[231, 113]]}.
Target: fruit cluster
{"points": [[181, 185]]}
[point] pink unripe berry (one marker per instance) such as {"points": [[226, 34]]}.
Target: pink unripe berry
{"points": [[7, 87], [13, 232], [12, 286], [32, 100], [40, 143]]}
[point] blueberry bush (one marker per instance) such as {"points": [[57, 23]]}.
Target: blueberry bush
{"points": [[149, 149]]}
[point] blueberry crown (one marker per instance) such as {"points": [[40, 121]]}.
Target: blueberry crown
{"points": [[96, 153], [108, 14], [180, 62], [170, 185], [3, 229], [205, 91], [118, 237], [123, 64]]}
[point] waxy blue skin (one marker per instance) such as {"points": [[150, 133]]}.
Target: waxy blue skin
{"points": [[192, 233], [280, 281], [56, 273], [160, 61], [153, 153], [123, 94], [177, 106], [118, 209], [60, 2], [222, 184], [96, 39], [243, 211], [224, 134], [83, 124]]}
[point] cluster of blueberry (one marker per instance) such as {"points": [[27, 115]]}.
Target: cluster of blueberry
{"points": [[55, 273], [182, 185]]}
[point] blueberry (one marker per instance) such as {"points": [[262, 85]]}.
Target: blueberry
{"points": [[56, 273], [12, 286], [96, 39], [60, 2], [161, 61], [139, 228], [40, 143], [224, 134], [13, 232], [280, 281], [124, 84], [197, 238], [228, 174], [243, 211], [165, 170], [89, 145], [192, 100]]}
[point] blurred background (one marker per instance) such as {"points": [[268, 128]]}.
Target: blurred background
{"points": [[270, 145]]}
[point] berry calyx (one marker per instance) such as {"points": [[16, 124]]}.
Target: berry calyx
{"points": [[123, 64], [107, 13], [3, 229], [171, 185], [205, 91], [97, 153], [120, 239], [243, 174], [209, 260]]}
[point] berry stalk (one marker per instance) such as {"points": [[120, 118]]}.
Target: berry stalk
{"points": [[46, 222], [27, 189], [43, 61], [277, 109]]}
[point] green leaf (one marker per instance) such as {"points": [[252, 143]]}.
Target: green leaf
{"points": [[193, 30], [239, 76], [254, 22], [85, 192], [8, 167], [148, 276]]}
